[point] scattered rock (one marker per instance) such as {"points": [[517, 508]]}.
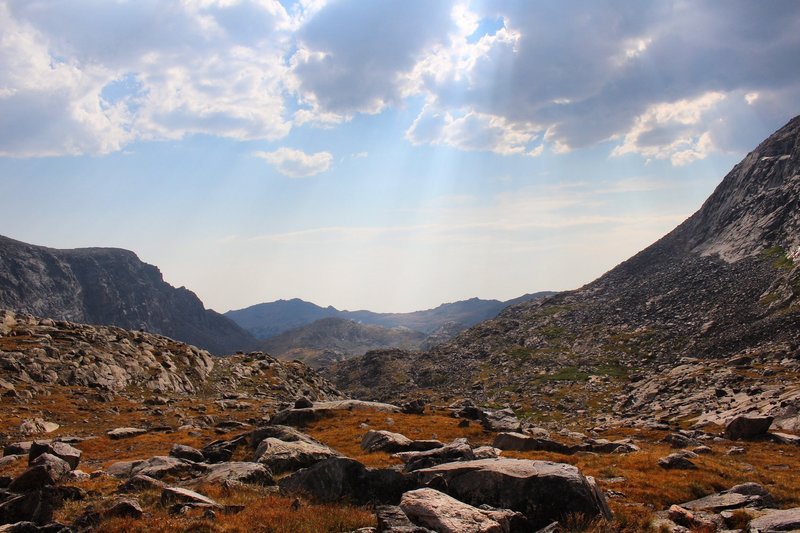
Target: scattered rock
{"points": [[676, 461], [444, 514], [303, 403], [124, 433], [124, 508], [239, 472], [139, 483], [37, 425], [44, 470], [162, 466], [458, 450], [188, 453], [541, 490], [281, 456], [748, 427], [784, 520], [178, 495], [522, 443], [60, 449]]}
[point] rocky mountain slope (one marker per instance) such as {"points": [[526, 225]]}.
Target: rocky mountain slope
{"points": [[269, 319], [336, 339], [723, 285], [42, 354], [110, 286]]}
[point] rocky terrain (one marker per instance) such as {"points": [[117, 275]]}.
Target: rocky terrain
{"points": [[329, 340], [270, 319], [656, 336], [113, 287]]}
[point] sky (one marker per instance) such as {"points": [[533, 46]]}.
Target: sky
{"points": [[383, 155]]}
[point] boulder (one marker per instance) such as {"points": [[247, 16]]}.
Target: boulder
{"points": [[748, 427], [502, 420], [744, 495], [392, 519], [162, 466], [281, 456], [676, 461], [444, 514], [18, 448], [188, 453], [139, 483], [124, 433], [458, 450], [124, 508], [541, 490], [783, 520], [303, 403], [60, 449], [414, 407], [379, 440], [45, 470], [340, 478], [122, 468], [36, 506], [284, 433], [220, 451], [37, 425], [524, 443], [239, 472], [179, 495]]}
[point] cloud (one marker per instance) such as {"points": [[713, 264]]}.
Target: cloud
{"points": [[87, 77], [473, 132], [296, 163]]}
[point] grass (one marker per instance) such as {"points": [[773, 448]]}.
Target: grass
{"points": [[778, 257]]}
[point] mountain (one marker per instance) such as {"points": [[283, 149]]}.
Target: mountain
{"points": [[269, 319], [336, 339], [110, 286], [656, 334]]}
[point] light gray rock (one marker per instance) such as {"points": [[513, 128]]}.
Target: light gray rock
{"points": [[188, 453], [125, 433], [139, 483], [458, 450], [162, 466], [445, 514], [239, 472], [524, 443], [60, 449], [676, 461], [501, 420], [44, 470], [783, 520], [180, 495], [385, 441], [541, 490], [37, 425], [281, 456]]}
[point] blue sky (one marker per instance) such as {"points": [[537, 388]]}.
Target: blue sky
{"points": [[389, 155]]}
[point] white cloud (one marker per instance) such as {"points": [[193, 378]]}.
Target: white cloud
{"points": [[296, 163], [473, 132], [674, 131]]}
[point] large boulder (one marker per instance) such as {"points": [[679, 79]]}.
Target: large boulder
{"points": [[541, 490], [281, 456], [444, 514], [284, 433], [458, 450], [37, 425], [239, 472], [162, 466], [61, 450], [125, 433], [187, 453], [523, 443], [744, 495], [341, 478], [221, 451], [501, 420], [748, 427], [783, 520], [45, 470], [36, 507], [392, 519]]}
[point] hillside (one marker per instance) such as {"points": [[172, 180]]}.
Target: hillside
{"points": [[110, 286], [335, 339], [269, 319], [723, 285]]}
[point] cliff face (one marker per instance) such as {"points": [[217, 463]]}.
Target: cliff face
{"points": [[110, 286]]}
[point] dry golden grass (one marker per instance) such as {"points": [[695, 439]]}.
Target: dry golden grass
{"points": [[343, 432]]}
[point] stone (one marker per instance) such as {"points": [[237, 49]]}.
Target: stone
{"points": [[124, 508], [36, 506], [222, 450], [486, 452], [179, 495], [44, 470], [458, 450], [303, 403], [543, 491], [445, 514], [124, 433], [783, 520], [139, 483], [392, 519], [37, 425], [676, 461], [523, 443], [414, 407], [284, 433], [281, 456], [122, 468], [162, 466], [60, 449], [239, 472], [18, 448], [748, 427], [385, 441], [188, 453], [341, 478], [502, 420]]}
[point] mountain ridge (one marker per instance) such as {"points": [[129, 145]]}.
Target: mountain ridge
{"points": [[110, 286]]}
